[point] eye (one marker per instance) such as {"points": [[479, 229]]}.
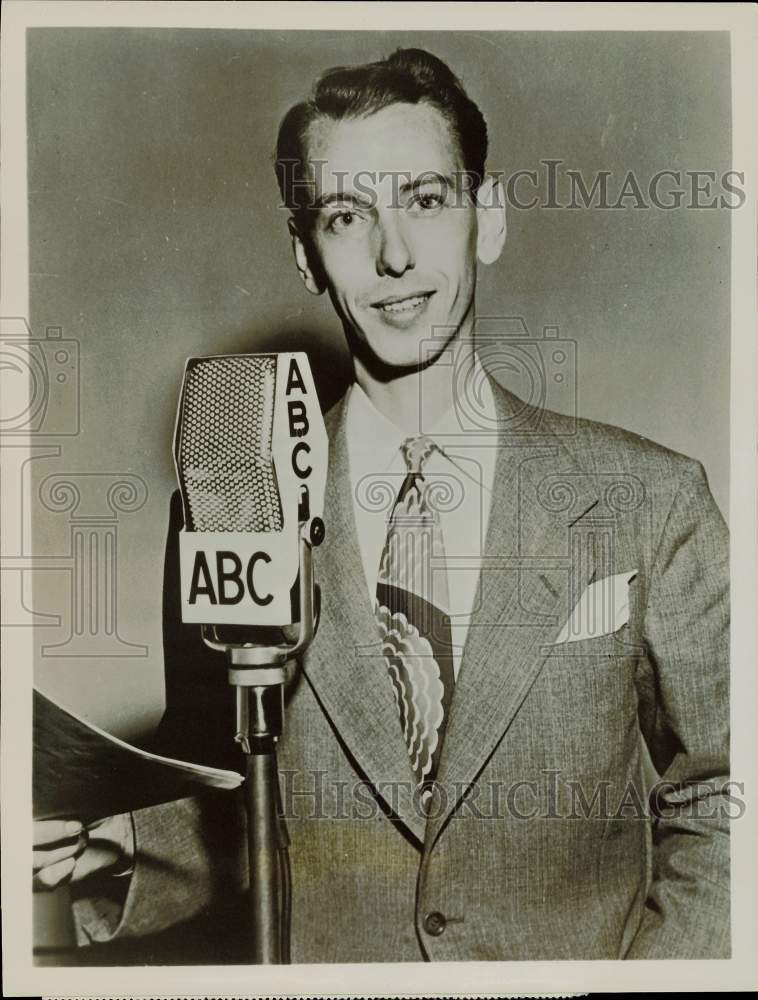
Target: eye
{"points": [[344, 220], [427, 202]]}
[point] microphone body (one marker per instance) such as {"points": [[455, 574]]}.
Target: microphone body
{"points": [[250, 448], [251, 453]]}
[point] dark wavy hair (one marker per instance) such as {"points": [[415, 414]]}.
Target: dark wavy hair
{"points": [[410, 76]]}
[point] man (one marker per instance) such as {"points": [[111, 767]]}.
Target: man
{"points": [[472, 742]]}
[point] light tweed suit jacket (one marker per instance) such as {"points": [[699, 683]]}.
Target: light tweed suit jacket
{"points": [[544, 841]]}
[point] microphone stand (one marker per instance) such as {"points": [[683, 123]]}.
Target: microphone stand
{"points": [[258, 674]]}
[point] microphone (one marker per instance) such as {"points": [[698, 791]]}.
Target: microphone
{"points": [[250, 449]]}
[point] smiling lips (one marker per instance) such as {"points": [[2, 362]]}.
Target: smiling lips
{"points": [[396, 305]]}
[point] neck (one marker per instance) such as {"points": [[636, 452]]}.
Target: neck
{"points": [[419, 397]]}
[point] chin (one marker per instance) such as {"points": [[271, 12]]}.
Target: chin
{"points": [[416, 346], [403, 350]]}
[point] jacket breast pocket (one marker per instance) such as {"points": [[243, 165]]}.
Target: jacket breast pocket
{"points": [[601, 647], [585, 704]]}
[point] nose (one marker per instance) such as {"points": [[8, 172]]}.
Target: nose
{"points": [[394, 255]]}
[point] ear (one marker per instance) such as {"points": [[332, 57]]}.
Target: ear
{"points": [[303, 261], [492, 228]]}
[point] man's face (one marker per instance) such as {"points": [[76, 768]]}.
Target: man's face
{"points": [[394, 238]]}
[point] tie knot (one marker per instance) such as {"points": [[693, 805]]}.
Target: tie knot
{"points": [[416, 451]]}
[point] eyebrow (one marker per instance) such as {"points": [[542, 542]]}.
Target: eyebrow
{"points": [[342, 196], [428, 177], [355, 198]]}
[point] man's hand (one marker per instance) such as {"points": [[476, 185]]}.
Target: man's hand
{"points": [[67, 851]]}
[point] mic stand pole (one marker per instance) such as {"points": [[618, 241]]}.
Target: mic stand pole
{"points": [[258, 674], [259, 715]]}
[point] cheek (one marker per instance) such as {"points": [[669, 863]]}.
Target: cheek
{"points": [[450, 247], [345, 269]]}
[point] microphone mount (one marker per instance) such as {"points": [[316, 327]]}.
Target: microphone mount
{"points": [[253, 666]]}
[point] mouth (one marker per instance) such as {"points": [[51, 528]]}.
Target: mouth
{"points": [[402, 305]]}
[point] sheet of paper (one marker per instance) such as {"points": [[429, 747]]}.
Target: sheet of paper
{"points": [[85, 773]]}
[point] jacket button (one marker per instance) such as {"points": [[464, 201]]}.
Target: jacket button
{"points": [[435, 923]]}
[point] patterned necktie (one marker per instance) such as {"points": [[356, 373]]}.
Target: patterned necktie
{"points": [[411, 610]]}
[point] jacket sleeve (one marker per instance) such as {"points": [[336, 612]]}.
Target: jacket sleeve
{"points": [[189, 858], [687, 731]]}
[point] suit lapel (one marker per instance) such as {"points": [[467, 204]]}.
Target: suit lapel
{"points": [[345, 665], [535, 566]]}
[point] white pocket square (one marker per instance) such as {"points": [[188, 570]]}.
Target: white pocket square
{"points": [[601, 610]]}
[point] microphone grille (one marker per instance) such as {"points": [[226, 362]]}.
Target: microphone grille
{"points": [[223, 450]]}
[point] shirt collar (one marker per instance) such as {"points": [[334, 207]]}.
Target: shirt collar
{"points": [[451, 427], [373, 440]]}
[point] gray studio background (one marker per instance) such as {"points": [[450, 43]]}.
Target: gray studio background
{"points": [[155, 235]]}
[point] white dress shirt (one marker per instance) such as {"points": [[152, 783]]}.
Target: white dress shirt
{"points": [[377, 470]]}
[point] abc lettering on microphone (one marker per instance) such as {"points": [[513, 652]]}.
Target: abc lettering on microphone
{"points": [[251, 457]]}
